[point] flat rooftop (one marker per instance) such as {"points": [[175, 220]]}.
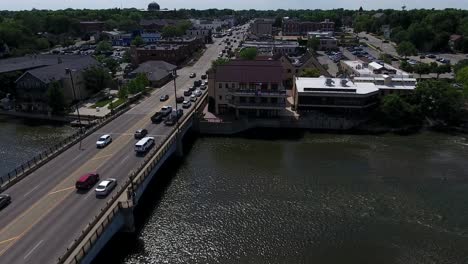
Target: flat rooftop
{"points": [[333, 85], [366, 69]]}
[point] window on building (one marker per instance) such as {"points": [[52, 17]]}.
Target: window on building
{"points": [[226, 85], [220, 85], [220, 97]]}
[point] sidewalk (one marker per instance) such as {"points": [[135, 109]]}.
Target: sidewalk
{"points": [[86, 108]]}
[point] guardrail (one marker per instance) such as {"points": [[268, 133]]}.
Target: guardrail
{"points": [[135, 178], [20, 172]]}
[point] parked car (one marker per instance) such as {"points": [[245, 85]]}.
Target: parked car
{"points": [[192, 75], [179, 99], [166, 110], [187, 93], [193, 98], [204, 77], [103, 141], [164, 98], [198, 93], [5, 200], [203, 87], [191, 88], [186, 104], [197, 83], [172, 119], [87, 181], [105, 187], [140, 133]]}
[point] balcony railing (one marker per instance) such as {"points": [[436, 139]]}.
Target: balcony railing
{"points": [[255, 92]]}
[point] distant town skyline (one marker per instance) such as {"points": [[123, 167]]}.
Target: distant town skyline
{"points": [[238, 4]]}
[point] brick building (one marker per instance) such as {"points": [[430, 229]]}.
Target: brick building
{"points": [[292, 27]]}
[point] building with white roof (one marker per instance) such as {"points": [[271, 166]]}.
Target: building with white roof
{"points": [[361, 69], [333, 93], [388, 84]]}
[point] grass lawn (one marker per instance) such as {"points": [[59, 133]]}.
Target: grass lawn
{"points": [[102, 103], [116, 103]]}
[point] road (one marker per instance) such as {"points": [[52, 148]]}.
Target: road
{"points": [[47, 213]]}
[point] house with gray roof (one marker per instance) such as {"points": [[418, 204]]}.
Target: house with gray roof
{"points": [[158, 72], [32, 86]]}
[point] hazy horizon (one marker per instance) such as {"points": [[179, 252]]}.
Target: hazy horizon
{"points": [[237, 5]]}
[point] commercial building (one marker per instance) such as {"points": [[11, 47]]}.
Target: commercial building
{"points": [[32, 86], [91, 27], [174, 50], [247, 88], [329, 94], [373, 69], [262, 27], [293, 27], [327, 41], [200, 33], [389, 85], [156, 25], [294, 66], [273, 47], [157, 72]]}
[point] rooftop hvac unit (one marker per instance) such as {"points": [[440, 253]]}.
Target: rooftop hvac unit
{"points": [[344, 82], [329, 82]]}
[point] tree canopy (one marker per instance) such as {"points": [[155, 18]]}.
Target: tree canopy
{"points": [[310, 72], [406, 49], [96, 78], [55, 98], [248, 53]]}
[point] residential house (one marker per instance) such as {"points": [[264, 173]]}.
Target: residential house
{"points": [[247, 88], [158, 72], [32, 86]]}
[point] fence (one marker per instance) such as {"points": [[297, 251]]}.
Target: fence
{"points": [[99, 222], [37, 161]]}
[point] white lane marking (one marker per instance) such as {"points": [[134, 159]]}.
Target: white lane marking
{"points": [[124, 159], [37, 245], [26, 194]]}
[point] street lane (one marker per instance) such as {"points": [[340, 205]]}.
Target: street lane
{"points": [[59, 213]]}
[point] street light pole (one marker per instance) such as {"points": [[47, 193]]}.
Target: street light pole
{"points": [[69, 72]]}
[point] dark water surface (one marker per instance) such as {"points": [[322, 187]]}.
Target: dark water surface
{"points": [[21, 140], [322, 198]]}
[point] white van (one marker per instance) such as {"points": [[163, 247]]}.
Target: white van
{"points": [[144, 144]]}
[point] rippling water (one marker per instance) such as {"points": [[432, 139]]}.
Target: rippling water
{"points": [[318, 199], [21, 140]]}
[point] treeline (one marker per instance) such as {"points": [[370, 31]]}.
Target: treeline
{"points": [[427, 30]]}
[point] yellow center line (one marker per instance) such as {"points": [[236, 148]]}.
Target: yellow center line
{"points": [[102, 157], [65, 189], [8, 240]]}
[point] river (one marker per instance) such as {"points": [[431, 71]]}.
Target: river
{"points": [[306, 198], [21, 140]]}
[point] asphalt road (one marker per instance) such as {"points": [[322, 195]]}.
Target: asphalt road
{"points": [[47, 213]]}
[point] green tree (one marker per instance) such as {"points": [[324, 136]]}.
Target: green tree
{"points": [[138, 41], [396, 111], [96, 78], [439, 100], [55, 98], [422, 68], [404, 65], [460, 65], [142, 80], [170, 31], [111, 64], [462, 77], [406, 49], [313, 43], [42, 44], [310, 72], [103, 46], [219, 61], [248, 53], [123, 92], [440, 69], [127, 58]]}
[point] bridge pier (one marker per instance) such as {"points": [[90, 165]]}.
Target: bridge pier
{"points": [[129, 220], [179, 146]]}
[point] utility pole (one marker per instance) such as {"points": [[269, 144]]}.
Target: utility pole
{"points": [[69, 72]]}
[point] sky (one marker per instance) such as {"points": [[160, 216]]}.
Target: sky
{"points": [[233, 4]]}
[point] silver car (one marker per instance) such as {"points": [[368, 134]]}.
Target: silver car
{"points": [[103, 141], [105, 187]]}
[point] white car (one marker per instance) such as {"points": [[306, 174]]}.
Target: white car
{"points": [[186, 104], [105, 187], [198, 93], [103, 141], [193, 98]]}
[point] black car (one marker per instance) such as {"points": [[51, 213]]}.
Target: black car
{"points": [[204, 77], [197, 83], [180, 99], [172, 119], [164, 98], [191, 88], [192, 75], [187, 93], [141, 133], [5, 200]]}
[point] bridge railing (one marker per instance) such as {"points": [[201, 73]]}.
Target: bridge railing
{"points": [[40, 159], [96, 227]]}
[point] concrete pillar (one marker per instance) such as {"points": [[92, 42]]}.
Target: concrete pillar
{"points": [[179, 147], [129, 225]]}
